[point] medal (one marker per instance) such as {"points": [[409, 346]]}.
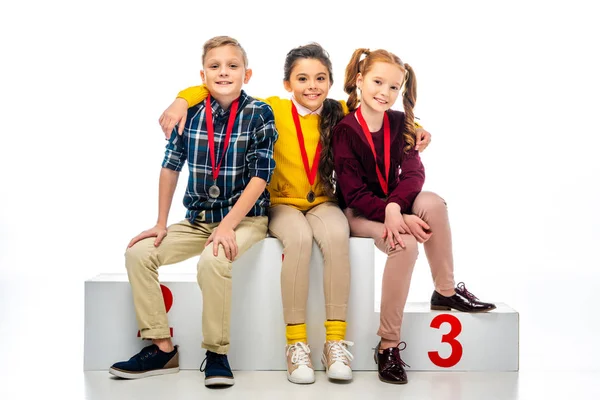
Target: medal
{"points": [[311, 173], [214, 190], [386, 147]]}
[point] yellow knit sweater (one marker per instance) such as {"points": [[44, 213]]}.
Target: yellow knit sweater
{"points": [[289, 184]]}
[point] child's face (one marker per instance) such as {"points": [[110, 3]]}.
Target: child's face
{"points": [[309, 82], [380, 86], [224, 72]]}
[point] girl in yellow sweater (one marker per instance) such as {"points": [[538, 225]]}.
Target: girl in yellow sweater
{"points": [[303, 205]]}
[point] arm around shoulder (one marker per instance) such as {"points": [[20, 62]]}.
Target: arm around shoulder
{"points": [[194, 95]]}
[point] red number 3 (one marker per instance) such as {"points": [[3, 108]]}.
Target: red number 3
{"points": [[450, 338]]}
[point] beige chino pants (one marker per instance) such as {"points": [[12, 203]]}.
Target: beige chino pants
{"points": [[185, 240]]}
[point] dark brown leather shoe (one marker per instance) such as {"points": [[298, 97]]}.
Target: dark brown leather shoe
{"points": [[463, 300], [390, 366]]}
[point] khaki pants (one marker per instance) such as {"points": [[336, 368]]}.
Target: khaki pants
{"points": [[185, 240], [431, 208], [328, 226]]}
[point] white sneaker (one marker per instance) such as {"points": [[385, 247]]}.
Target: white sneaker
{"points": [[299, 366], [336, 359]]}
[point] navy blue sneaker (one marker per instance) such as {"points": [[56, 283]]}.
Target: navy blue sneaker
{"points": [[217, 371], [148, 362]]}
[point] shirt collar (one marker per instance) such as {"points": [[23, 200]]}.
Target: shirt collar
{"points": [[303, 111], [219, 111]]}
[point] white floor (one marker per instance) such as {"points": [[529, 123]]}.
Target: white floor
{"points": [[43, 381]]}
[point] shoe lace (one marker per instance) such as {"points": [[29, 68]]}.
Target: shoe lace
{"points": [[300, 352], [147, 352], [338, 349], [462, 289], [212, 359]]}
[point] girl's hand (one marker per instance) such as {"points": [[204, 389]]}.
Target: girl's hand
{"points": [[418, 228], [176, 114], [394, 226], [225, 237], [158, 231], [423, 139]]}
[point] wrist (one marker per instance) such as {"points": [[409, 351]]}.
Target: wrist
{"points": [[161, 224], [392, 207], [225, 224]]}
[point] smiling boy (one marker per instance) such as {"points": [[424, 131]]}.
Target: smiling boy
{"points": [[227, 142]]}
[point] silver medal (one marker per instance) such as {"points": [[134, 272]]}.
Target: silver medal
{"points": [[214, 191]]}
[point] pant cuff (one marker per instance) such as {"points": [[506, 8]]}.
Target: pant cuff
{"points": [[216, 348], [392, 336], [294, 316], [155, 333]]}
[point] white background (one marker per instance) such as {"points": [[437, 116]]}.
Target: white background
{"points": [[509, 91]]}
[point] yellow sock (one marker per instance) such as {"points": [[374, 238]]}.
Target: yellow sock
{"points": [[295, 333], [335, 330]]}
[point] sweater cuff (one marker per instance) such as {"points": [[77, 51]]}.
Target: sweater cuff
{"points": [[194, 95], [404, 207]]}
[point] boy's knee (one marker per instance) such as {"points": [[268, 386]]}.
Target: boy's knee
{"points": [[212, 265], [137, 256]]}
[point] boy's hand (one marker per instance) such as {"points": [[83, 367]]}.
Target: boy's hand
{"points": [[224, 236], [418, 228], [394, 226], [159, 231], [423, 139], [176, 114]]}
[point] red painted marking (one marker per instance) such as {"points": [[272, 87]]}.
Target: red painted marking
{"points": [[167, 297], [450, 338], [168, 300]]}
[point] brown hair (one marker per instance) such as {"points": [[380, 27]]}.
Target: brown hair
{"points": [[409, 94], [220, 41], [331, 114]]}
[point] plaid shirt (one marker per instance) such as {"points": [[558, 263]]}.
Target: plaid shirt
{"points": [[249, 154]]}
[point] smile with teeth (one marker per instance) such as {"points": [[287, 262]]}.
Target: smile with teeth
{"points": [[380, 101], [312, 96], [223, 83]]}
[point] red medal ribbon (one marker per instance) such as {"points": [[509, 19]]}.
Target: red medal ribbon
{"points": [[386, 147], [311, 173], [211, 134]]}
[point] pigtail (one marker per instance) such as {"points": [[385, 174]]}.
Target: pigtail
{"points": [[352, 71], [331, 114], [409, 98]]}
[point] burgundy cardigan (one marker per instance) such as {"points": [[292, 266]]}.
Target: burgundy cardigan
{"points": [[357, 183]]}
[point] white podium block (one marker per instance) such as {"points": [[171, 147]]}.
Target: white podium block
{"points": [[451, 340]]}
